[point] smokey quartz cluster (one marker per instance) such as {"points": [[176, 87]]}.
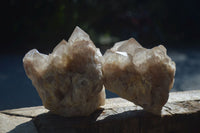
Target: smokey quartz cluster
{"points": [[143, 76], [69, 80]]}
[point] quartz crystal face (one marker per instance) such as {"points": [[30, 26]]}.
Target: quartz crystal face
{"points": [[143, 76], [69, 80]]}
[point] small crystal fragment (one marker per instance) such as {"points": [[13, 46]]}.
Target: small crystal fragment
{"points": [[69, 80], [143, 76]]}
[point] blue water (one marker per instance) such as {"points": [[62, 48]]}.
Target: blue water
{"points": [[17, 91]]}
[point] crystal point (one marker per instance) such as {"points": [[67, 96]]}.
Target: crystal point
{"points": [[69, 80], [144, 77]]}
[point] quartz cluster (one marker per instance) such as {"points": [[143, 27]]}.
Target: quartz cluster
{"points": [[69, 80], [143, 76]]}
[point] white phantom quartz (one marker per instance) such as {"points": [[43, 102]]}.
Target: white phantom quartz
{"points": [[69, 80], [143, 76]]}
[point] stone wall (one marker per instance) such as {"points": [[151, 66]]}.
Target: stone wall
{"points": [[180, 114]]}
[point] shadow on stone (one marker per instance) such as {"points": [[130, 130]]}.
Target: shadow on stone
{"points": [[125, 122], [27, 127], [51, 123], [111, 120], [142, 121], [100, 121]]}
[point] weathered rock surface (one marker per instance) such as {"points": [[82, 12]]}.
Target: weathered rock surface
{"points": [[180, 114], [69, 80], [143, 76], [16, 124]]}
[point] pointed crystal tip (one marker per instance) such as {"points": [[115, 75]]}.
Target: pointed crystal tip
{"points": [[144, 76], [69, 80]]}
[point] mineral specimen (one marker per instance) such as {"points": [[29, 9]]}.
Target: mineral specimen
{"points": [[143, 76], [69, 80]]}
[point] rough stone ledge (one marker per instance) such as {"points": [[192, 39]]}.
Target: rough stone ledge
{"points": [[180, 114]]}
